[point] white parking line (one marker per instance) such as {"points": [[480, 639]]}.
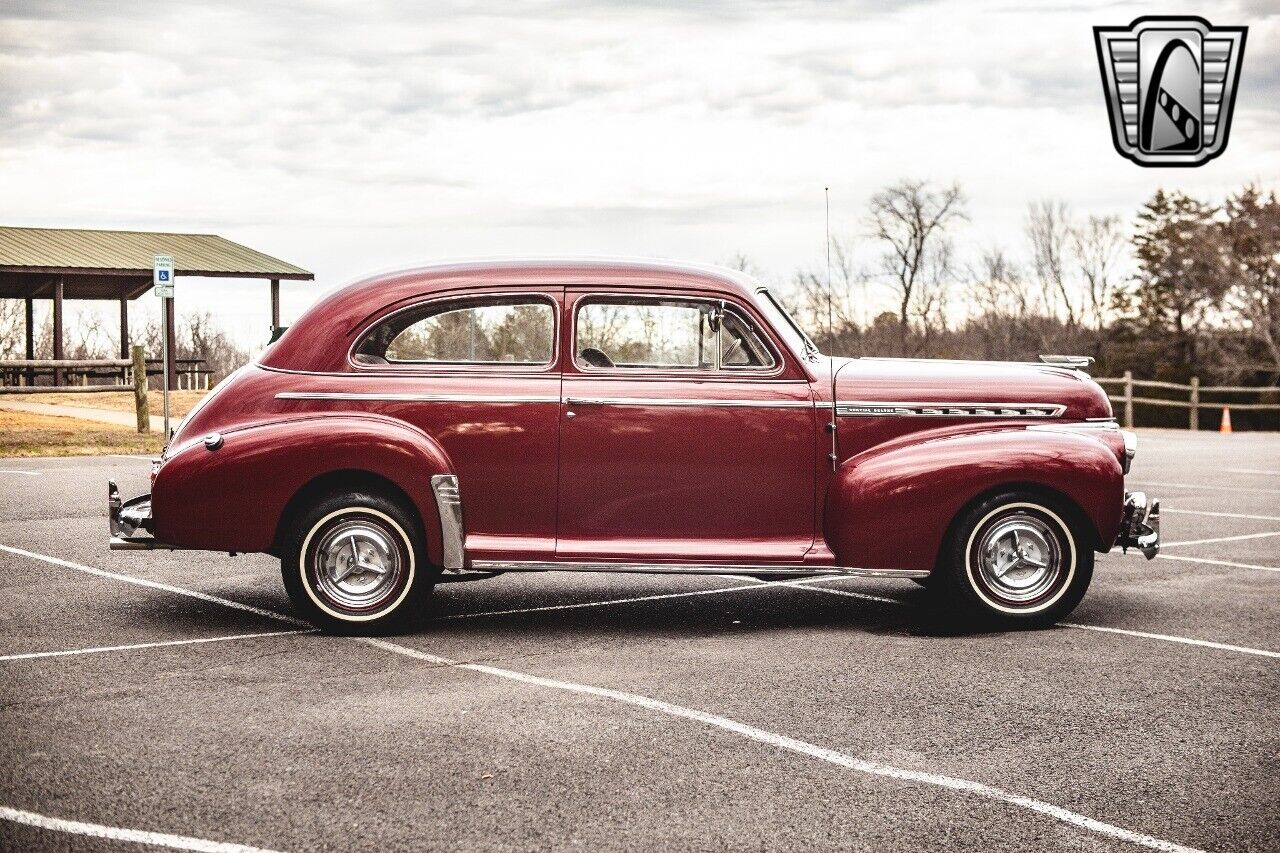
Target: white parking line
{"points": [[1172, 639], [1210, 562], [779, 741], [1239, 538], [115, 833], [805, 748], [129, 456], [93, 650], [1209, 488], [190, 593], [16, 471], [1270, 473], [1165, 509], [751, 583]]}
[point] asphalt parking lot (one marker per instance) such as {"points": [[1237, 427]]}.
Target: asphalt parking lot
{"points": [[170, 699]]}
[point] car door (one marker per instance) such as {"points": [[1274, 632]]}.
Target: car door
{"points": [[686, 435], [479, 372]]}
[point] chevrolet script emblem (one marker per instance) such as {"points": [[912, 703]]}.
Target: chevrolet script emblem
{"points": [[1170, 85]]}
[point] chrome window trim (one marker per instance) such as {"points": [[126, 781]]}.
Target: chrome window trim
{"points": [[585, 297], [449, 505], [462, 366], [688, 402], [948, 409], [691, 568], [393, 397]]}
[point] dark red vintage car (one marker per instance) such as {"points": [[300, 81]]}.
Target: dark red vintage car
{"points": [[633, 417]]}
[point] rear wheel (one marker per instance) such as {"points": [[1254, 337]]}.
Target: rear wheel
{"points": [[354, 563], [1016, 560]]}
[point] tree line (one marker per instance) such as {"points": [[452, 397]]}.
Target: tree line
{"points": [[1188, 287]]}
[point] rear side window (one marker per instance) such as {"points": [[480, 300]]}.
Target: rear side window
{"points": [[505, 330]]}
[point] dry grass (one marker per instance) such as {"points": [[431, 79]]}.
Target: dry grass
{"points": [[180, 402], [23, 434]]}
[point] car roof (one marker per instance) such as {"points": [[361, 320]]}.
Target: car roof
{"points": [[337, 313]]}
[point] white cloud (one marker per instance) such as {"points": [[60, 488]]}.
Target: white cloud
{"points": [[350, 137]]}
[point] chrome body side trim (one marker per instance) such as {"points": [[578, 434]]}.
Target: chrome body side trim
{"points": [[449, 505], [872, 409], [689, 402], [392, 397], [692, 569]]}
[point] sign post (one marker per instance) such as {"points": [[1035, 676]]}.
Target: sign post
{"points": [[162, 278]]}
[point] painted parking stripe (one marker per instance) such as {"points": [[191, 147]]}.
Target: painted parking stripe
{"points": [[1264, 471], [805, 748], [750, 584], [1239, 538], [780, 741], [1166, 509], [115, 833], [1210, 488], [1210, 562], [94, 650], [190, 593], [1172, 639], [16, 471]]}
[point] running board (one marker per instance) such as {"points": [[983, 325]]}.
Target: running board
{"points": [[694, 569]]}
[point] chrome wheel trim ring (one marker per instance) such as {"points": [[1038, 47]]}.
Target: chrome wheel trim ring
{"points": [[1019, 558], [388, 595], [1027, 591], [356, 564]]}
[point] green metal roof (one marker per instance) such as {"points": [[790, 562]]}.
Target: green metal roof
{"points": [[78, 250]]}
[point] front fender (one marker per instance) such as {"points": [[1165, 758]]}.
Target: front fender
{"points": [[890, 507], [232, 498]]}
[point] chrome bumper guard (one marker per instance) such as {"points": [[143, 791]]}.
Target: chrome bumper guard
{"points": [[127, 518], [1140, 526]]}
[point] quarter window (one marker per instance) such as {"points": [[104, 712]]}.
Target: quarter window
{"points": [[679, 334], [518, 330]]}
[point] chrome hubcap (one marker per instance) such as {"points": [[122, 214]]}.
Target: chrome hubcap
{"points": [[357, 564], [1019, 557]]}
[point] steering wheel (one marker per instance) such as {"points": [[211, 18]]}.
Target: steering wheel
{"points": [[596, 358]]}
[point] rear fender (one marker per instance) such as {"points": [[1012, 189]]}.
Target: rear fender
{"points": [[891, 507], [233, 498]]}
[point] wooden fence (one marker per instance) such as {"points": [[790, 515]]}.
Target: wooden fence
{"points": [[1194, 403], [133, 373]]}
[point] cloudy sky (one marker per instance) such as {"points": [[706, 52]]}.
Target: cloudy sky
{"points": [[351, 137]]}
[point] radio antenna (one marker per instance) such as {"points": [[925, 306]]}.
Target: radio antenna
{"points": [[831, 334]]}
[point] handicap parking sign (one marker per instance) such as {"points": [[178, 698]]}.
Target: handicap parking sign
{"points": [[162, 275]]}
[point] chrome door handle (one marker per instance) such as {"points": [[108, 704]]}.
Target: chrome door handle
{"points": [[570, 414]]}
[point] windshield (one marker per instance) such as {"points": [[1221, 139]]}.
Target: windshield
{"points": [[786, 326]]}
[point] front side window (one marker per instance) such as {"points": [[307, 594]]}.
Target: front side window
{"points": [[511, 330], [671, 334]]}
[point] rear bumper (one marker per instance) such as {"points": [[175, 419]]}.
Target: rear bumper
{"points": [[130, 522], [1140, 525]]}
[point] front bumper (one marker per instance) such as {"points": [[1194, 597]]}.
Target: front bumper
{"points": [[1140, 525], [130, 522]]}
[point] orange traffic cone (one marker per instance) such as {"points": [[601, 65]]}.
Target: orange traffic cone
{"points": [[1226, 420]]}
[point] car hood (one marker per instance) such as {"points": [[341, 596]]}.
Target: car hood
{"points": [[978, 384]]}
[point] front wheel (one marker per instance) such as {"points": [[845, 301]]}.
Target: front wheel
{"points": [[354, 564], [1016, 560]]}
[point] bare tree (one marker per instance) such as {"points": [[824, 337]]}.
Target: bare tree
{"points": [[812, 292], [1048, 228], [910, 217], [13, 329], [1099, 246]]}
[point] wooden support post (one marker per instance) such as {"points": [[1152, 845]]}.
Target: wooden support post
{"points": [[171, 334], [1128, 399], [275, 305], [57, 328], [1195, 403], [140, 390], [31, 339], [124, 327]]}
